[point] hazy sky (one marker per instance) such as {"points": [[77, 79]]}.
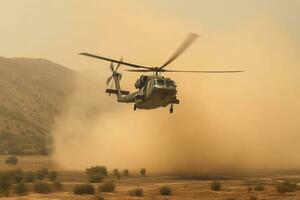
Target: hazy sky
{"points": [[57, 30]]}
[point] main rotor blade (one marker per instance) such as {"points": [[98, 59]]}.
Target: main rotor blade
{"points": [[115, 61], [139, 70], [204, 71], [188, 41]]}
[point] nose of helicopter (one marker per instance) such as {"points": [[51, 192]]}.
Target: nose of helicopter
{"points": [[165, 91]]}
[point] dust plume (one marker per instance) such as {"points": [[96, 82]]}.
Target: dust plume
{"points": [[242, 122]]}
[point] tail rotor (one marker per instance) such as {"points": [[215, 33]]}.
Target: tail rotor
{"points": [[114, 72]]}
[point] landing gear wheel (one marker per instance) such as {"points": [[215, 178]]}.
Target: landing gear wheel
{"points": [[134, 107], [171, 109]]}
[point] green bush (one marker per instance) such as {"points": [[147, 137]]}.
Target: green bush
{"points": [[259, 187], [52, 175], [165, 190], [42, 187], [138, 192], [21, 189], [143, 172], [125, 173], [11, 160], [29, 177], [95, 174], [215, 186], [286, 186], [107, 187], [97, 170], [117, 173], [84, 189], [57, 185], [41, 173]]}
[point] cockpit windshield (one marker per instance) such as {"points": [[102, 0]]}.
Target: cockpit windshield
{"points": [[169, 83], [160, 82]]}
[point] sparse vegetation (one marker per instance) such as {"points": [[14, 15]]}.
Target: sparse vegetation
{"points": [[143, 171], [138, 192], [259, 187], [42, 187], [95, 174], [165, 190], [125, 173], [11, 160], [58, 186], [41, 173], [29, 177], [84, 189], [52, 175], [215, 186], [107, 187], [286, 186], [21, 189], [17, 175], [117, 173], [5, 183]]}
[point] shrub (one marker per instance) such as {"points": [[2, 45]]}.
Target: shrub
{"points": [[17, 175], [143, 172], [84, 189], [42, 187], [11, 160], [259, 187], [138, 192], [29, 177], [57, 185], [215, 186], [21, 189], [165, 190], [107, 187], [95, 174], [52, 175], [97, 170], [125, 172], [117, 173], [41, 174], [286, 186]]}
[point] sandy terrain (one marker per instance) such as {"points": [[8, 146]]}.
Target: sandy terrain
{"points": [[186, 188]]}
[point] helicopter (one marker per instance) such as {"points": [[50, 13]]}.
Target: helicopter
{"points": [[153, 91]]}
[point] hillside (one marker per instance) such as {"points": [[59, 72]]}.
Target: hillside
{"points": [[32, 93]]}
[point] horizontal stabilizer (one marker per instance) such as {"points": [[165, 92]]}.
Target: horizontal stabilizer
{"points": [[111, 91]]}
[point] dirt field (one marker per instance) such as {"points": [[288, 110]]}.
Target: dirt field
{"points": [[185, 188]]}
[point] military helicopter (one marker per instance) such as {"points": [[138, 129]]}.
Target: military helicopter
{"points": [[153, 91]]}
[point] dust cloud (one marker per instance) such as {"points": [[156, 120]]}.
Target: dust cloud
{"points": [[225, 122]]}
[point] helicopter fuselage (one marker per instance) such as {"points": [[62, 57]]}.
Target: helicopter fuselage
{"points": [[153, 92], [158, 91]]}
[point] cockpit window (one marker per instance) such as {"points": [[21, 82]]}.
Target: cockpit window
{"points": [[160, 82], [169, 83]]}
